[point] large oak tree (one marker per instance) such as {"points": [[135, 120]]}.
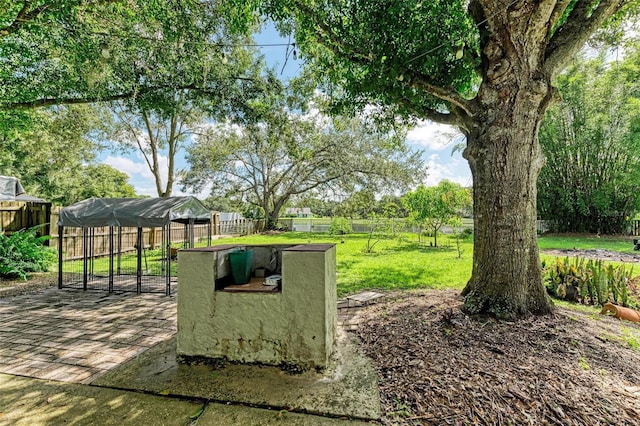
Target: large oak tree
{"points": [[485, 66], [285, 155]]}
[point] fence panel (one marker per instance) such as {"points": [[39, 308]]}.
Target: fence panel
{"points": [[17, 215], [359, 226]]}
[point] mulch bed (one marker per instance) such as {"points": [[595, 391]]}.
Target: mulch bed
{"points": [[36, 282], [438, 366]]}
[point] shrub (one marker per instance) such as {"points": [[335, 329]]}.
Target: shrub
{"points": [[590, 282], [23, 252], [466, 233], [340, 226]]}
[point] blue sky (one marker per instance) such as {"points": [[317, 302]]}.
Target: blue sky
{"points": [[436, 140]]}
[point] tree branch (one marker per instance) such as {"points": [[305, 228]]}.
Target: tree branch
{"points": [[22, 17], [25, 15], [45, 102], [329, 37], [558, 12], [570, 37]]}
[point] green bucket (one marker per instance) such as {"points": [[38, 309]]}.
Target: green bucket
{"points": [[241, 262]]}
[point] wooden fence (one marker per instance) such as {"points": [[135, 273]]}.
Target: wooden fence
{"points": [[17, 215]]}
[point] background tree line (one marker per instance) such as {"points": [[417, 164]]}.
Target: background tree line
{"points": [[591, 140]]}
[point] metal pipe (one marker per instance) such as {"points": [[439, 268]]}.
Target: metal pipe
{"points": [[85, 252], [139, 266], [111, 259], [60, 231]]}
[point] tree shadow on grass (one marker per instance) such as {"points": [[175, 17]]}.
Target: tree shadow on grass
{"points": [[391, 278], [419, 247]]}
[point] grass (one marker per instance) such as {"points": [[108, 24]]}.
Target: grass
{"points": [[394, 265], [398, 263], [585, 242], [151, 263]]}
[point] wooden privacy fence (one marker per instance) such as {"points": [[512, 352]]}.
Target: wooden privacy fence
{"points": [[72, 239], [17, 215]]}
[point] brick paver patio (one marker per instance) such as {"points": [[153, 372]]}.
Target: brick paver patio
{"points": [[76, 336]]}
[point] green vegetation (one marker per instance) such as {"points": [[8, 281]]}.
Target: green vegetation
{"points": [[400, 262], [582, 242], [589, 281], [598, 192], [396, 263], [340, 226], [435, 206], [23, 252]]}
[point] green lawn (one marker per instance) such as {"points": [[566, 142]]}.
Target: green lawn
{"points": [[582, 242], [406, 264], [393, 265], [396, 263]]}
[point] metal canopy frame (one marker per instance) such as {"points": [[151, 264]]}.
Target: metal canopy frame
{"points": [[117, 215]]}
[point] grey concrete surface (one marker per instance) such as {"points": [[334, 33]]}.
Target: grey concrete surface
{"points": [[55, 346]]}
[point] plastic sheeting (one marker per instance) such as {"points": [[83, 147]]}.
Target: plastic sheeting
{"points": [[134, 212]]}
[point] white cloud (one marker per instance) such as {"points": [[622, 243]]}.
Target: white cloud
{"points": [[129, 166], [456, 170], [433, 136], [142, 179]]}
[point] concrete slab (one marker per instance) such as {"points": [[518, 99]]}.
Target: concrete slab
{"points": [[364, 298], [34, 402], [347, 389]]}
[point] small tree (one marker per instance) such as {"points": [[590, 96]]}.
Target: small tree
{"points": [[435, 206], [379, 228]]}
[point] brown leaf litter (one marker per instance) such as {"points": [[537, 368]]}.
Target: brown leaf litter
{"points": [[438, 366]]}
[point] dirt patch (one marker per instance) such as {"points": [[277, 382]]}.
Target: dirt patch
{"points": [[36, 282], [438, 366], [609, 255]]}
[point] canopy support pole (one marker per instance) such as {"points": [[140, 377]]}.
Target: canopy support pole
{"points": [[139, 266], [60, 231], [85, 255], [111, 248]]}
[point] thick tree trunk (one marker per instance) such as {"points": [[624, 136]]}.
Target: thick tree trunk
{"points": [[272, 215], [505, 159]]}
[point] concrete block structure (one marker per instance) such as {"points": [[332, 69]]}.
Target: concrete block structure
{"points": [[293, 322]]}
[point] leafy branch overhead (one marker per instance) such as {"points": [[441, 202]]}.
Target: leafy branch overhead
{"points": [[68, 52], [428, 58]]}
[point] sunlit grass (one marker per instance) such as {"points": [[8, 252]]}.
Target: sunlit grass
{"points": [[585, 242], [394, 264]]}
